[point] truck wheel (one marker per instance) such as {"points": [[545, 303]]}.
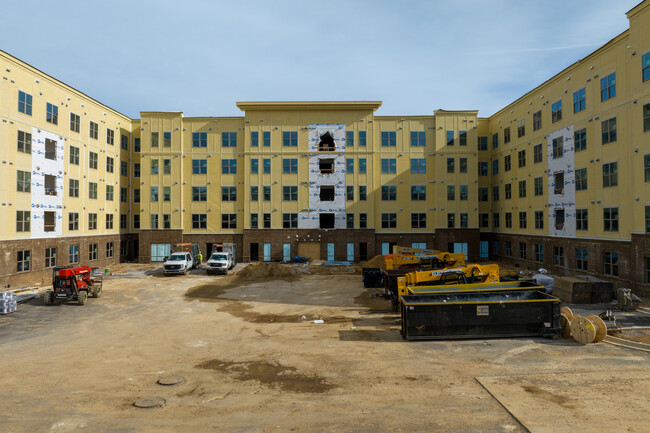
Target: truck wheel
{"points": [[48, 298], [97, 292], [185, 271], [82, 296]]}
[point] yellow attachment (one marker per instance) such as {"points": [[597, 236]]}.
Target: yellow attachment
{"points": [[480, 273]]}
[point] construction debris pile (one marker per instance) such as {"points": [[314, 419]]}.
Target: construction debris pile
{"points": [[8, 302]]}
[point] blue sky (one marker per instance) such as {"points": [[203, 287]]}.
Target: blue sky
{"points": [[201, 56]]}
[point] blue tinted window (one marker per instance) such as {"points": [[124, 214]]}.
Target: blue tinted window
{"points": [[289, 165], [229, 166], [362, 138], [362, 165], [645, 66], [418, 165], [199, 139], [579, 100], [349, 138], [418, 138], [266, 138], [482, 168], [388, 138], [349, 165], [229, 139], [389, 165], [136, 145], [199, 166], [266, 162], [255, 166], [608, 87], [25, 103], [495, 141], [255, 137], [290, 138], [495, 166], [450, 138], [482, 143]]}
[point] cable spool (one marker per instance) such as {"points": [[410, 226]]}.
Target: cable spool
{"points": [[601, 327], [565, 323], [568, 312], [583, 330]]}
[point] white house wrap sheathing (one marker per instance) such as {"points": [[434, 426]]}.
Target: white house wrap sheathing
{"points": [[567, 199], [42, 202]]}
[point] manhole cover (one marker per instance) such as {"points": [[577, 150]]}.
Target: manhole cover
{"points": [[150, 402], [171, 380]]}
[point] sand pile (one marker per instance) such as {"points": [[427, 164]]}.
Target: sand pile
{"points": [[268, 269], [375, 262]]}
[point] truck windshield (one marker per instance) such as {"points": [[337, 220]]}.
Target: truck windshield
{"points": [[177, 257], [219, 257]]}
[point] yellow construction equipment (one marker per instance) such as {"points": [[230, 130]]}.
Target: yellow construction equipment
{"points": [[473, 273], [428, 261]]}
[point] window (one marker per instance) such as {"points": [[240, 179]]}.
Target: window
{"points": [[154, 139], [362, 192], [537, 153], [610, 174], [200, 139], [418, 165], [482, 168], [418, 138], [539, 186], [451, 220], [254, 221], [647, 219], [110, 164], [290, 193], [388, 138], [495, 193], [349, 192], [23, 221], [463, 220], [228, 220], [506, 135], [608, 87], [124, 143], [389, 192], [580, 139], [419, 220], [199, 193], [582, 219], [73, 252], [167, 193], [363, 220], [521, 127], [495, 167], [388, 165], [508, 248], [255, 166], [289, 165], [579, 100], [349, 221], [646, 118], [266, 165], [123, 221], [483, 193], [23, 260], [539, 252], [92, 160], [556, 111], [462, 165], [290, 138], [124, 168], [136, 221], [228, 193], [326, 165], [24, 181], [154, 166], [136, 195], [463, 192], [92, 252], [349, 165], [451, 192], [25, 144], [266, 138], [539, 219], [266, 193], [229, 166], [581, 179], [610, 219], [645, 67], [136, 169], [484, 220], [581, 259], [522, 250], [495, 141], [558, 256], [267, 220], [75, 122], [508, 220], [24, 103], [109, 192], [521, 156], [522, 188], [450, 138], [109, 250], [482, 143], [167, 139], [418, 192], [255, 138], [93, 130], [92, 221], [362, 166], [507, 188], [362, 138], [327, 193], [109, 221], [110, 137], [610, 262], [254, 193], [290, 220], [388, 220], [199, 221], [558, 183], [349, 138], [154, 193], [507, 163], [558, 149], [154, 220], [462, 138], [167, 166], [646, 167], [523, 220], [92, 190], [451, 165], [537, 120], [73, 221], [608, 128], [136, 145]]}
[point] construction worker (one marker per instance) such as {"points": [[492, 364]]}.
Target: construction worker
{"points": [[200, 258]]}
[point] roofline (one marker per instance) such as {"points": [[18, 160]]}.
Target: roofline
{"points": [[308, 105], [59, 82], [440, 111], [636, 9]]}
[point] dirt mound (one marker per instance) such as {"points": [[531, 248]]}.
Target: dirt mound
{"points": [[375, 262], [268, 269]]}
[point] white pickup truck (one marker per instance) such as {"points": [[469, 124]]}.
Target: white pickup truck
{"points": [[219, 263], [178, 263]]}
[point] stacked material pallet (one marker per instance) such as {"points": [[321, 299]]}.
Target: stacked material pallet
{"points": [[583, 289], [8, 302]]}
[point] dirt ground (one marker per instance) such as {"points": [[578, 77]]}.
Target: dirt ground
{"points": [[253, 360]]}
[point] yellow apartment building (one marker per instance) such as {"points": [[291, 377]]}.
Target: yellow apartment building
{"points": [[557, 179]]}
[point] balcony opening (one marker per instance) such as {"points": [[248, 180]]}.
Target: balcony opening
{"points": [[326, 220], [559, 183], [50, 184], [327, 193], [50, 149], [49, 221], [326, 143], [559, 219], [326, 166]]}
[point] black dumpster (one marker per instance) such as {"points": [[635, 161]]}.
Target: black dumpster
{"points": [[522, 313]]}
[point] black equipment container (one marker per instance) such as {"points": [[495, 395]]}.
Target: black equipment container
{"points": [[373, 278], [522, 313]]}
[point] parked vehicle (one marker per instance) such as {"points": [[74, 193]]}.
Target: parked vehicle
{"points": [[225, 247], [219, 263], [192, 248], [178, 263], [73, 284]]}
